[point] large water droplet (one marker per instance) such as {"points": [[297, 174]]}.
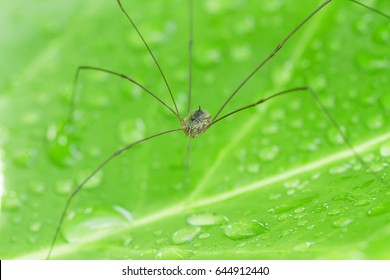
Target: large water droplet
{"points": [[185, 235], [92, 224], [244, 229], [206, 219], [62, 148]]}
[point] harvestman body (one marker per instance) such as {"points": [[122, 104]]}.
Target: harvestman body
{"points": [[200, 120]]}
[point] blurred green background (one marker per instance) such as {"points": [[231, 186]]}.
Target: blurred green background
{"points": [[257, 186]]}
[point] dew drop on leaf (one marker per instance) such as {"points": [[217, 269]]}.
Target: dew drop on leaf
{"points": [[185, 235], [173, 253], [37, 187], [62, 148], [244, 229], [303, 246], [363, 202], [375, 122], [24, 157], [336, 211], [385, 150], [206, 219], [204, 235], [64, 186], [11, 201], [343, 222], [379, 209], [87, 226], [35, 227]]}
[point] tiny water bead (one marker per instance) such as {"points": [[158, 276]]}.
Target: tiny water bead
{"points": [[64, 186], [185, 235], [173, 253], [244, 229], [206, 219]]}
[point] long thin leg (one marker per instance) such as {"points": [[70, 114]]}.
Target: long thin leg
{"points": [[75, 84], [371, 9], [280, 45], [269, 57], [190, 44], [151, 54], [79, 187], [327, 113]]}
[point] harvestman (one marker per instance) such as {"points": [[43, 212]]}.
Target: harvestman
{"points": [[200, 120]]}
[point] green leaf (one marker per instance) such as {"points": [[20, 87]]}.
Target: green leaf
{"points": [[272, 182]]}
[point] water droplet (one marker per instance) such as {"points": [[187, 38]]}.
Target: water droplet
{"points": [[24, 157], [385, 150], [299, 210], [92, 225], [344, 197], [206, 219], [62, 148], [343, 222], [11, 200], [240, 53], [93, 182], [336, 211], [379, 209], [339, 169], [35, 227], [363, 202], [174, 253], [270, 153], [284, 217], [64, 186], [301, 223], [204, 235], [131, 130], [375, 121], [283, 208], [37, 187], [244, 229], [303, 246], [185, 235]]}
